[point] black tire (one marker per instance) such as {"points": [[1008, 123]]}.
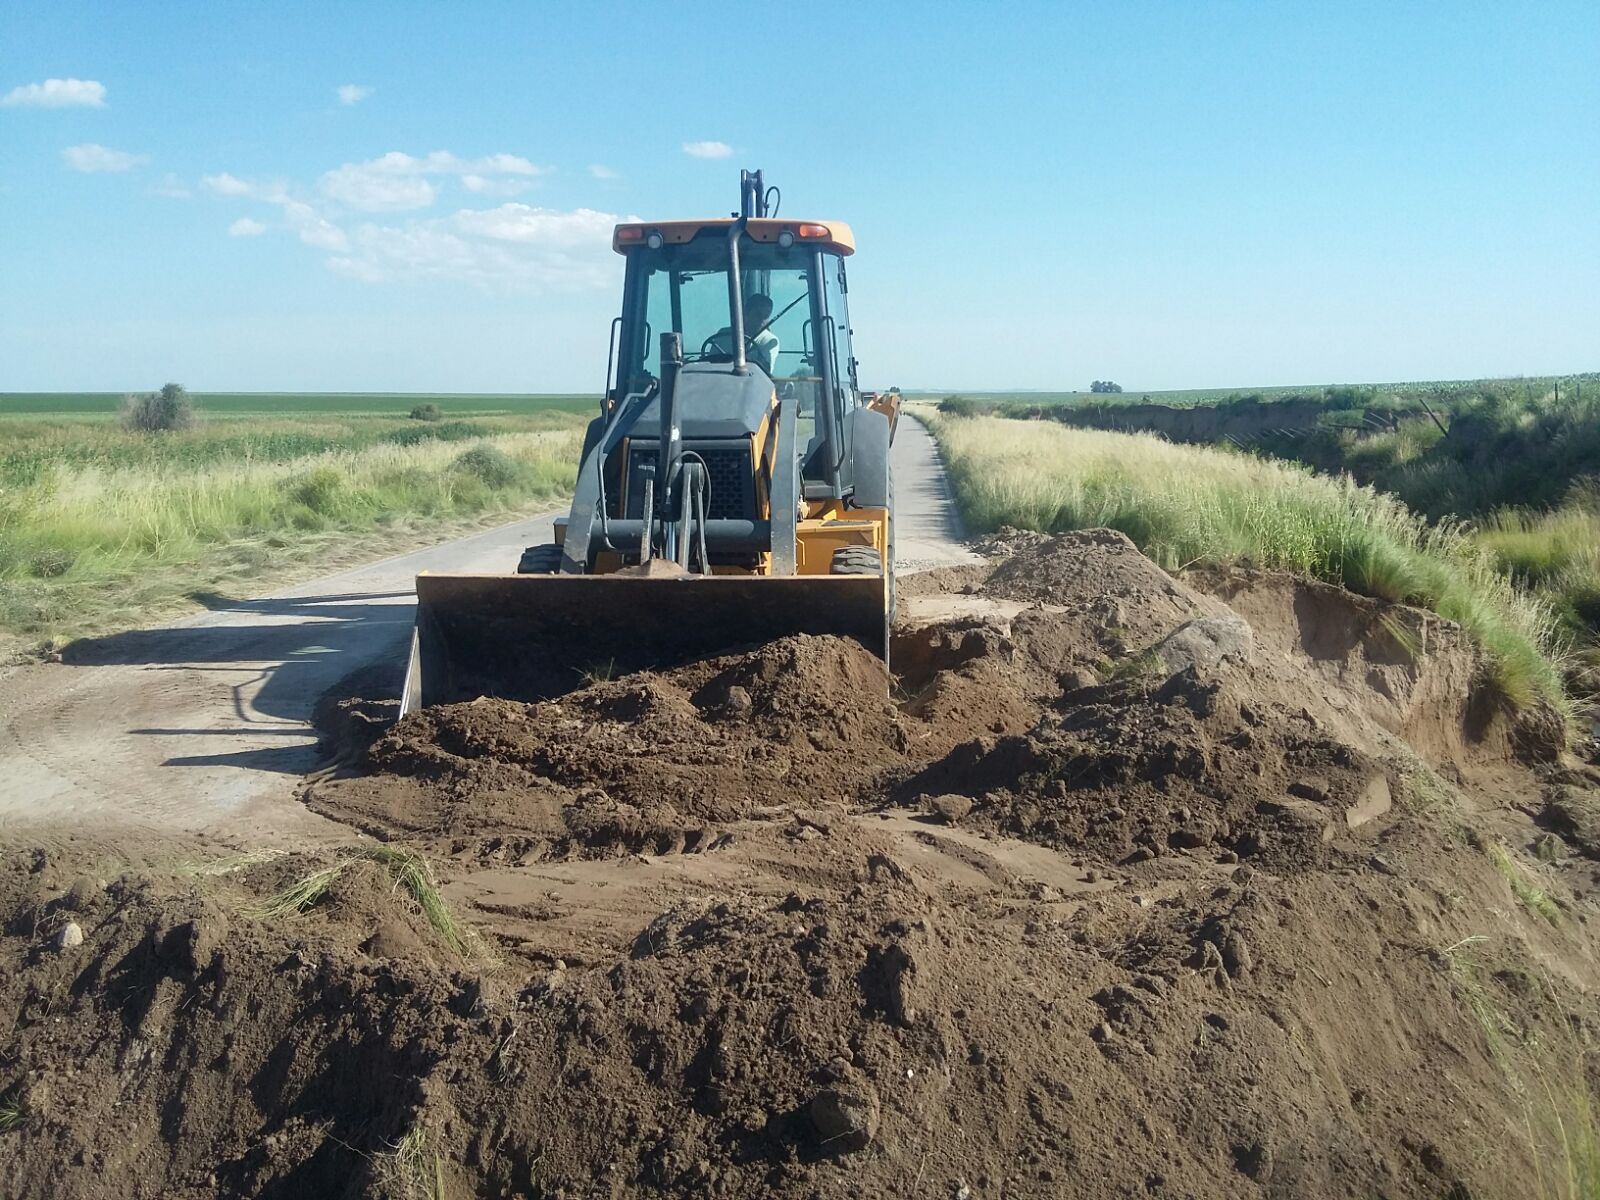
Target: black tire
{"points": [[540, 560], [856, 560]]}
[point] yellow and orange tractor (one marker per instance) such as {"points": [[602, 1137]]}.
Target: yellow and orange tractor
{"points": [[734, 488]]}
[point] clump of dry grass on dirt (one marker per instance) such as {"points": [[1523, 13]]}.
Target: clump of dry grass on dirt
{"points": [[1528, 893], [410, 873], [414, 1168]]}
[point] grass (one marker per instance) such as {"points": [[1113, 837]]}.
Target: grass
{"points": [[1528, 893], [1440, 394], [13, 1115], [1555, 555], [410, 873], [413, 1167], [1559, 1117], [1185, 504], [101, 527]]}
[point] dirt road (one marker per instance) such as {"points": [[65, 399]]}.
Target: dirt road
{"points": [[203, 726]]}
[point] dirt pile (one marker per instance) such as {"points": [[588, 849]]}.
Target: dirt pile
{"points": [[1123, 891], [645, 762]]}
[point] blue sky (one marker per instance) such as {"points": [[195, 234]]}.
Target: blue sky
{"points": [[1180, 194]]}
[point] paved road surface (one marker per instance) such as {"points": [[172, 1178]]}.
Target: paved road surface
{"points": [[203, 726]]}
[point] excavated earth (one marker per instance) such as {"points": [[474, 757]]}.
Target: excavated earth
{"points": [[1228, 885]]}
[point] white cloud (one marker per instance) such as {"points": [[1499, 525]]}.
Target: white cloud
{"points": [[512, 246], [708, 149], [495, 187], [352, 93], [225, 185], [57, 93], [172, 187], [396, 181], [372, 188], [90, 157], [313, 228], [504, 164], [602, 172]]}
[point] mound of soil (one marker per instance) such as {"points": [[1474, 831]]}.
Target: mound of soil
{"points": [[1131, 886]]}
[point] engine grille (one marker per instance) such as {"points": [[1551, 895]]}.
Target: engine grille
{"points": [[732, 492]]}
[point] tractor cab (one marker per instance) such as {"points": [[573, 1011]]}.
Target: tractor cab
{"points": [[756, 296]]}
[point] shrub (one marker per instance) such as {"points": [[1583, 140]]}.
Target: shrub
{"points": [[446, 431], [427, 412], [491, 466], [320, 489], [958, 406], [158, 412]]}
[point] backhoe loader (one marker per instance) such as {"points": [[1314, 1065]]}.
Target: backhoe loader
{"points": [[734, 487]]}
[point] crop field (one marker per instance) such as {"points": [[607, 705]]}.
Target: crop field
{"points": [[101, 526]]}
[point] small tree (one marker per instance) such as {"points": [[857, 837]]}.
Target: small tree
{"points": [[1104, 385], [158, 412], [426, 412]]}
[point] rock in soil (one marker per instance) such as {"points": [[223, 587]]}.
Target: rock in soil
{"points": [[846, 1116]]}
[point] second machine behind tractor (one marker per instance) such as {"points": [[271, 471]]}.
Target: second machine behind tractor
{"points": [[735, 487]]}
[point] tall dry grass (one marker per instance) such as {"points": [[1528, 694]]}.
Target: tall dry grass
{"points": [[80, 531], [1185, 504]]}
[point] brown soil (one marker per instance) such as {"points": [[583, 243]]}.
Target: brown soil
{"points": [[1134, 886]]}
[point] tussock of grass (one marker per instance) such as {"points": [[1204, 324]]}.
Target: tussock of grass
{"points": [[1528, 894], [1556, 555], [1187, 504], [1144, 665], [410, 872], [1467, 978], [413, 1168], [13, 1115]]}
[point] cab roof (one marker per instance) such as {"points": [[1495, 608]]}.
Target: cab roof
{"points": [[830, 235]]}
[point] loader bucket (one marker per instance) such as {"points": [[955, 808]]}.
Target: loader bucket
{"points": [[530, 637]]}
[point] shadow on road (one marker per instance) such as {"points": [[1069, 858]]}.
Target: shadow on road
{"points": [[276, 658]]}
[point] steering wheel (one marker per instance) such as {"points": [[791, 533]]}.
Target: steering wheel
{"points": [[712, 351]]}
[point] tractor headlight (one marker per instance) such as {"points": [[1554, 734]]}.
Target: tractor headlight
{"points": [[654, 240], [785, 239]]}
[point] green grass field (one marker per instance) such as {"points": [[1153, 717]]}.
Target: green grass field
{"points": [[104, 528]]}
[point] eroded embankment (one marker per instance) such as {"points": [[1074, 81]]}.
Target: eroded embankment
{"points": [[1125, 890]]}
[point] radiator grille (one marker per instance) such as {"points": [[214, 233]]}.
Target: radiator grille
{"points": [[732, 491]]}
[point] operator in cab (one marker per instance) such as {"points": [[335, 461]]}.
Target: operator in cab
{"points": [[761, 346]]}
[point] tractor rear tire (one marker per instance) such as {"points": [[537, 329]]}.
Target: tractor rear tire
{"points": [[856, 560], [540, 560]]}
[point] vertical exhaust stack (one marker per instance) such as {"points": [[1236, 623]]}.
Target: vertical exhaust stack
{"points": [[669, 455]]}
